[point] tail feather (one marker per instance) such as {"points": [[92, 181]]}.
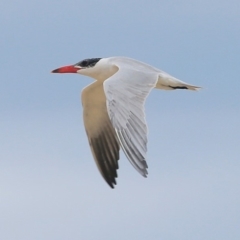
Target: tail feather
{"points": [[167, 82]]}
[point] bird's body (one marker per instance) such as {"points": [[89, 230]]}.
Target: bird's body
{"points": [[113, 109]]}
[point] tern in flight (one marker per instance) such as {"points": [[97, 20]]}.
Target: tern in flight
{"points": [[113, 109]]}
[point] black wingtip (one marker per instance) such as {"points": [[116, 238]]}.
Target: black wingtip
{"points": [[111, 185]]}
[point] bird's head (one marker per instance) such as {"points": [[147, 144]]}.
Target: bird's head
{"points": [[85, 67]]}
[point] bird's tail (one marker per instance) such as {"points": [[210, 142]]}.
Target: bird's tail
{"points": [[167, 82]]}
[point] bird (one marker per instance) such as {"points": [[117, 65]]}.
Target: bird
{"points": [[114, 112]]}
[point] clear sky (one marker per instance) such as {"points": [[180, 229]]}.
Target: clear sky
{"points": [[50, 187]]}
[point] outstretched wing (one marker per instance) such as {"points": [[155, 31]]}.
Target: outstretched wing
{"points": [[101, 135], [126, 92]]}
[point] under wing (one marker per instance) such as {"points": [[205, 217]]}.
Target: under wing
{"points": [[101, 135]]}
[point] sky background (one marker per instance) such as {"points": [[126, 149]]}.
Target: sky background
{"points": [[50, 187]]}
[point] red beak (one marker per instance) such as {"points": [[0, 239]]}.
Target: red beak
{"points": [[66, 69]]}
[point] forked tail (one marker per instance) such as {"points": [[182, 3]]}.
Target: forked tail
{"points": [[168, 82]]}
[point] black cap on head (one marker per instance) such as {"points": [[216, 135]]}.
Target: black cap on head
{"points": [[86, 63]]}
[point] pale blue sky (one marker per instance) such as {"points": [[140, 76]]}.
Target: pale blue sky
{"points": [[50, 187]]}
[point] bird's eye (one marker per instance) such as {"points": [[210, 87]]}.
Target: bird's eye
{"points": [[84, 63]]}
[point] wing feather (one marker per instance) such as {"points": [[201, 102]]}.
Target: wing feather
{"points": [[126, 92], [101, 135]]}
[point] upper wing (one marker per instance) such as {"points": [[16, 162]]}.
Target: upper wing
{"points": [[101, 135], [126, 92]]}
